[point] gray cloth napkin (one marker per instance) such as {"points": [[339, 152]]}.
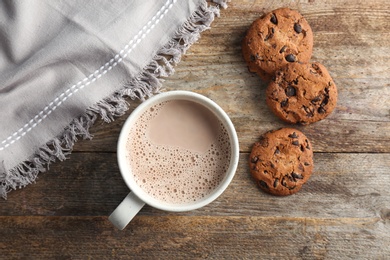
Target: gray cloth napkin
{"points": [[65, 63]]}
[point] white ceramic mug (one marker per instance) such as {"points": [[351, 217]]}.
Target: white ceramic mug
{"points": [[137, 198]]}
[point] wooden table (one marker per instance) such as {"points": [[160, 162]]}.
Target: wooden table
{"points": [[343, 212]]}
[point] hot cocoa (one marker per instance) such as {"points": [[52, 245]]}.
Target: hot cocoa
{"points": [[178, 151]]}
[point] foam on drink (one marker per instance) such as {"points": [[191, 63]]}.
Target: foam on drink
{"points": [[178, 151]]}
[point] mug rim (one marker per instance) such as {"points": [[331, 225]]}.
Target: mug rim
{"points": [[124, 166]]}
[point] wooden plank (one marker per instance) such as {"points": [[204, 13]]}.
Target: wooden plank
{"points": [[357, 124], [181, 237], [343, 185], [337, 133]]}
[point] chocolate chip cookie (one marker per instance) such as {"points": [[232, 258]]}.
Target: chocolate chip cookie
{"points": [[279, 37], [282, 161], [302, 93]]}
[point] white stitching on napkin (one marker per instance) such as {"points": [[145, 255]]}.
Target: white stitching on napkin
{"points": [[118, 58]]}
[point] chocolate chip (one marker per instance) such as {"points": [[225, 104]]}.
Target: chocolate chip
{"points": [[269, 35], [296, 176], [277, 151], [316, 67], [295, 142], [253, 57], [276, 182], [302, 148], [284, 103], [306, 163], [325, 101], [321, 110], [273, 19], [254, 159], [283, 49], [263, 184], [290, 58], [265, 172], [297, 28], [287, 181], [293, 135], [290, 91], [263, 141], [315, 100], [309, 113], [307, 144]]}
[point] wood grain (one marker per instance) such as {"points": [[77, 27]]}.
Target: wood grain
{"points": [[343, 212], [232, 237]]}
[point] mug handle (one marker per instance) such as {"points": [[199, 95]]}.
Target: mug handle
{"points": [[126, 211]]}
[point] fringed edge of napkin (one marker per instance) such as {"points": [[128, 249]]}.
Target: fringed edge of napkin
{"points": [[148, 82]]}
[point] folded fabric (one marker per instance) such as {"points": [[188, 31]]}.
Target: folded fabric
{"points": [[65, 63]]}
